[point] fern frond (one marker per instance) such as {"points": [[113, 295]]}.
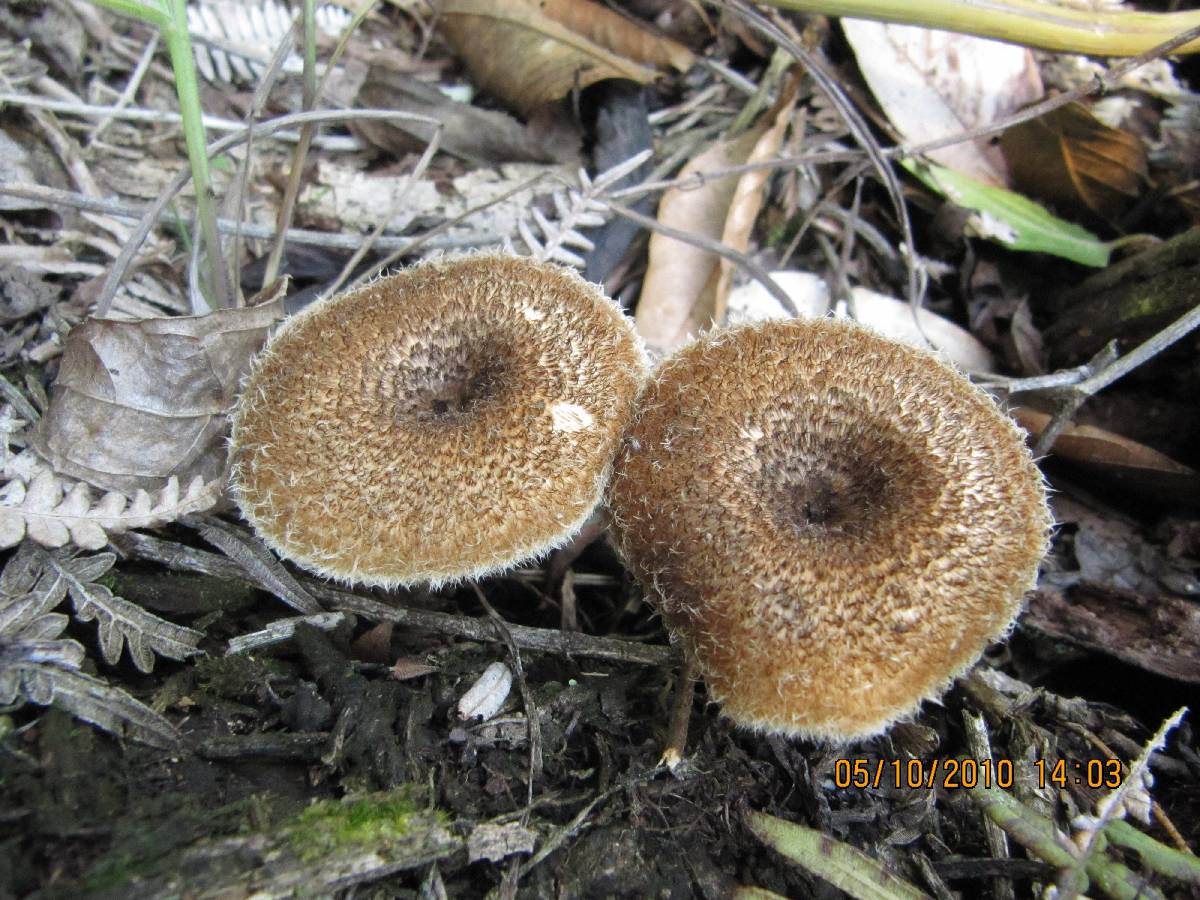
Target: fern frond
{"points": [[55, 512], [38, 666], [575, 208], [120, 623], [234, 39], [31, 672]]}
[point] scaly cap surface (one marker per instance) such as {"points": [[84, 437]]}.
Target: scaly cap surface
{"points": [[442, 423], [835, 523]]}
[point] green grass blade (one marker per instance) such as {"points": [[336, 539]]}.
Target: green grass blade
{"points": [[1010, 219], [840, 864], [1154, 855]]}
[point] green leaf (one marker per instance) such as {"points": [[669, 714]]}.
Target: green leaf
{"points": [[1012, 219], [840, 864]]}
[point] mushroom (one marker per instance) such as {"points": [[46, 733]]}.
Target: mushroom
{"points": [[833, 525], [443, 423]]}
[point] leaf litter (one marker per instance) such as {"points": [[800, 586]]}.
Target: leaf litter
{"points": [[138, 410]]}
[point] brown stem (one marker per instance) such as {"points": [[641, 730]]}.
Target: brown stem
{"points": [[681, 711]]}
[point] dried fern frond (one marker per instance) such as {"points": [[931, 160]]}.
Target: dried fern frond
{"points": [[38, 666], [234, 39], [120, 623], [575, 208], [54, 511]]}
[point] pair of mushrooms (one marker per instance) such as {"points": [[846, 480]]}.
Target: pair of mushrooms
{"points": [[833, 525]]}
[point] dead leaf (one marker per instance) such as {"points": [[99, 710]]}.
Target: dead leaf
{"points": [[137, 403], [685, 287], [375, 645], [748, 196], [517, 51], [932, 84], [1071, 158], [887, 315], [406, 668], [1127, 462], [618, 33], [468, 132]]}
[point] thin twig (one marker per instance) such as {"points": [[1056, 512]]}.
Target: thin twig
{"points": [[1071, 397], [372, 240], [131, 87], [165, 117], [235, 200], [75, 200], [815, 64], [181, 557]]}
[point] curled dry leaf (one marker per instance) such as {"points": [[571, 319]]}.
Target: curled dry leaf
{"points": [[532, 53], [375, 645], [1070, 158], [406, 668], [685, 286], [932, 84], [137, 404]]}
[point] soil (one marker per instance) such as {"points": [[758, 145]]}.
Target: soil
{"points": [[424, 804]]}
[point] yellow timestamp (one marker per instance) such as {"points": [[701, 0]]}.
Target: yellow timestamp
{"points": [[949, 774], [965, 773], [1099, 774]]}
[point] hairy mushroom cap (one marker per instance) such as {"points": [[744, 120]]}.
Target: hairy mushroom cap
{"points": [[442, 423], [836, 524]]}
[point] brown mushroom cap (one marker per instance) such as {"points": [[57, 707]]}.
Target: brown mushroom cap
{"points": [[835, 523], [442, 423]]}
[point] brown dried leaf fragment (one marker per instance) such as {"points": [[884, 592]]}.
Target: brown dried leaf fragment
{"points": [[136, 404], [686, 286], [1071, 158], [1131, 464], [406, 668], [518, 51]]}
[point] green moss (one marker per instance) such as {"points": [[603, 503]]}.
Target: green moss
{"points": [[355, 822]]}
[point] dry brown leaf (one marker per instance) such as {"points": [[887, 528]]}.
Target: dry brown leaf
{"points": [[932, 84], [375, 645], [619, 34], [468, 132], [1071, 158], [515, 50], [406, 668], [686, 286], [1127, 462], [138, 403], [748, 196]]}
